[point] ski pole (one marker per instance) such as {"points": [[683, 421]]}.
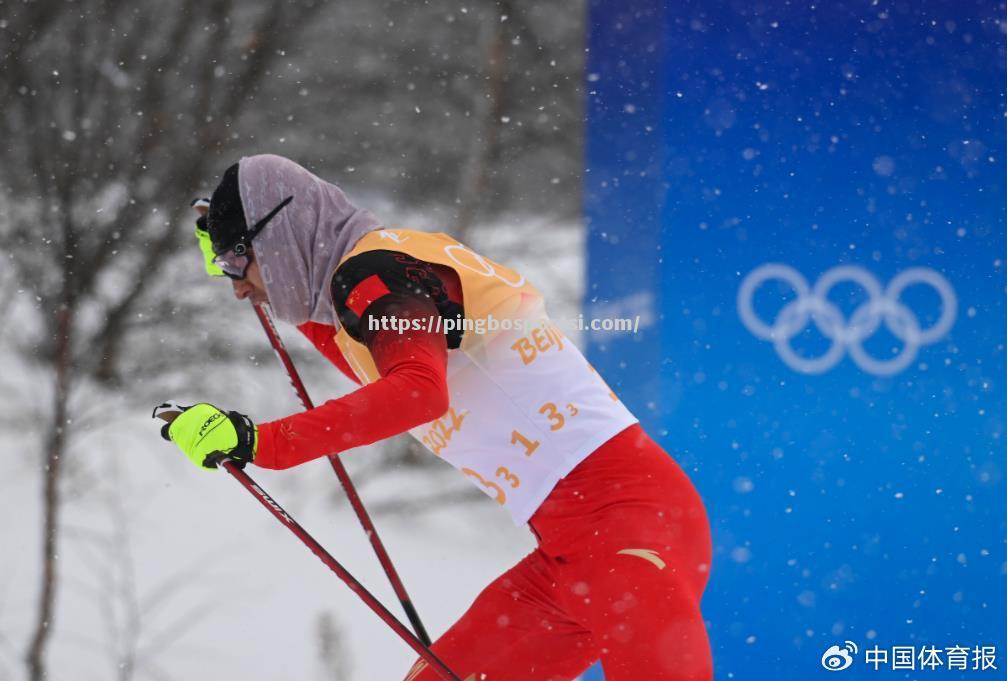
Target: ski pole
{"points": [[166, 413], [344, 477]]}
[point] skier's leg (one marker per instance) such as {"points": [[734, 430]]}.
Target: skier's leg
{"points": [[631, 545], [515, 630], [644, 616]]}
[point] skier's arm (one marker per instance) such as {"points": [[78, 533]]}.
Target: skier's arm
{"points": [[412, 390], [322, 336]]}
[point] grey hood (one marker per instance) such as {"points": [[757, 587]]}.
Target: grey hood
{"points": [[299, 249]]}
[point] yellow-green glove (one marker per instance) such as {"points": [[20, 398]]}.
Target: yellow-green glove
{"points": [[208, 435]]}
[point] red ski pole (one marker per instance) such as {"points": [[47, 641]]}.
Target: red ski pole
{"points": [[344, 477], [356, 587]]}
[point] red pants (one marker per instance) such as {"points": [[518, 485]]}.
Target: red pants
{"points": [[623, 556]]}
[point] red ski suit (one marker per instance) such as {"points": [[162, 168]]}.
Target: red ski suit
{"points": [[623, 551]]}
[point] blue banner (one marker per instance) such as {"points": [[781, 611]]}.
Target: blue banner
{"points": [[805, 206]]}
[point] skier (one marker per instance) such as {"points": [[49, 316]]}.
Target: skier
{"points": [[623, 542]]}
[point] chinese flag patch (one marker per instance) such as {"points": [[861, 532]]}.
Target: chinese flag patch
{"points": [[365, 293]]}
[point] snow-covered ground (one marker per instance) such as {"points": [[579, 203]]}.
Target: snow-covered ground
{"points": [[182, 575]]}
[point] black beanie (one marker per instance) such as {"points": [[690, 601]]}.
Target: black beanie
{"points": [[226, 220]]}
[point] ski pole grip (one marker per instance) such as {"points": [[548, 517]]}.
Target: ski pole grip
{"points": [[171, 410], [168, 411]]}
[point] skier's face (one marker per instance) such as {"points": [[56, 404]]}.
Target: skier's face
{"points": [[251, 286]]}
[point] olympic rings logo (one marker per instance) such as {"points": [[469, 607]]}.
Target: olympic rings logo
{"points": [[812, 303]]}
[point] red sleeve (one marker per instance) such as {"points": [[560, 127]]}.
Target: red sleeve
{"points": [[412, 390], [322, 336]]}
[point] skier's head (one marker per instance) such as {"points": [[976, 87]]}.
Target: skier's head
{"points": [[231, 238], [226, 219], [273, 215]]}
